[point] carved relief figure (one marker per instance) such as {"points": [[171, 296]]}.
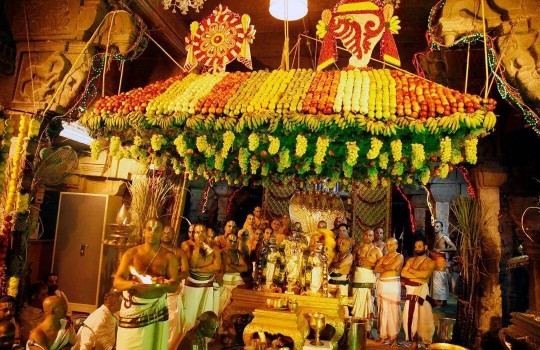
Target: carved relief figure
{"points": [[516, 24]]}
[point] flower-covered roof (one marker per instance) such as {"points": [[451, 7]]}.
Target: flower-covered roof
{"points": [[382, 126]]}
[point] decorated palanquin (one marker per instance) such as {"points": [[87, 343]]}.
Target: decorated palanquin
{"points": [[364, 128]]}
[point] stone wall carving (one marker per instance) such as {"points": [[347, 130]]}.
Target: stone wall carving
{"points": [[516, 24], [58, 31], [55, 20], [49, 70]]}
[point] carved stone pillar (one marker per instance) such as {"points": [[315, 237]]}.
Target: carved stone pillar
{"points": [[443, 193], [488, 177], [533, 251], [419, 203], [223, 192]]}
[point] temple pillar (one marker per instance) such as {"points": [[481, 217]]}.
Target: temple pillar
{"points": [[488, 177], [223, 192], [419, 203], [532, 249], [443, 193]]}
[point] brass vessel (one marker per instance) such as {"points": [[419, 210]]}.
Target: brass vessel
{"points": [[317, 321]]}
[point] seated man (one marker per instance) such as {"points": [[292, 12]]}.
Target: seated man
{"points": [[31, 313], [52, 283], [143, 322], [7, 336], [99, 329], [205, 327], [7, 310], [55, 332]]}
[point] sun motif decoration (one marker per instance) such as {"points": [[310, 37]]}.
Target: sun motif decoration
{"points": [[218, 39]]}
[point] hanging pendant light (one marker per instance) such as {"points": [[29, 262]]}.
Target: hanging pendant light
{"points": [[288, 10]]}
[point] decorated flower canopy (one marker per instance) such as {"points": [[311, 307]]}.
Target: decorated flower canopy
{"points": [[380, 126]]}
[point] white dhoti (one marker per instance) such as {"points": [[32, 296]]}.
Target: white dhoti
{"points": [[176, 319], [230, 281], [143, 324], [198, 297], [339, 284], [389, 312], [363, 283], [439, 285], [417, 314]]}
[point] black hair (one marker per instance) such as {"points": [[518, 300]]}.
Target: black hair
{"points": [[35, 288], [420, 239], [7, 299], [440, 222]]}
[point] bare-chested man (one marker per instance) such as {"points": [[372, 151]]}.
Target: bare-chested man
{"points": [[278, 229], [365, 257], [232, 264], [174, 300], [389, 293], [230, 227], [204, 262], [257, 217], [55, 332], [340, 269], [417, 313], [441, 248], [343, 231], [143, 321], [286, 224], [188, 244], [378, 239]]}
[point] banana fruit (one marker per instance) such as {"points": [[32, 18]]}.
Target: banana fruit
{"points": [[489, 121]]}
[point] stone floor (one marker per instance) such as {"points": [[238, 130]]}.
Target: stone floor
{"points": [[447, 312]]}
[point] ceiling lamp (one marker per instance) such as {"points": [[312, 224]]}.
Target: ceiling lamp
{"points": [[183, 5], [288, 10]]}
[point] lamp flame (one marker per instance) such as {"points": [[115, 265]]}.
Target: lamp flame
{"points": [[145, 279]]}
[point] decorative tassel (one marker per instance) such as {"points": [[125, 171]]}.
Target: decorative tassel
{"points": [[245, 52], [191, 61]]}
